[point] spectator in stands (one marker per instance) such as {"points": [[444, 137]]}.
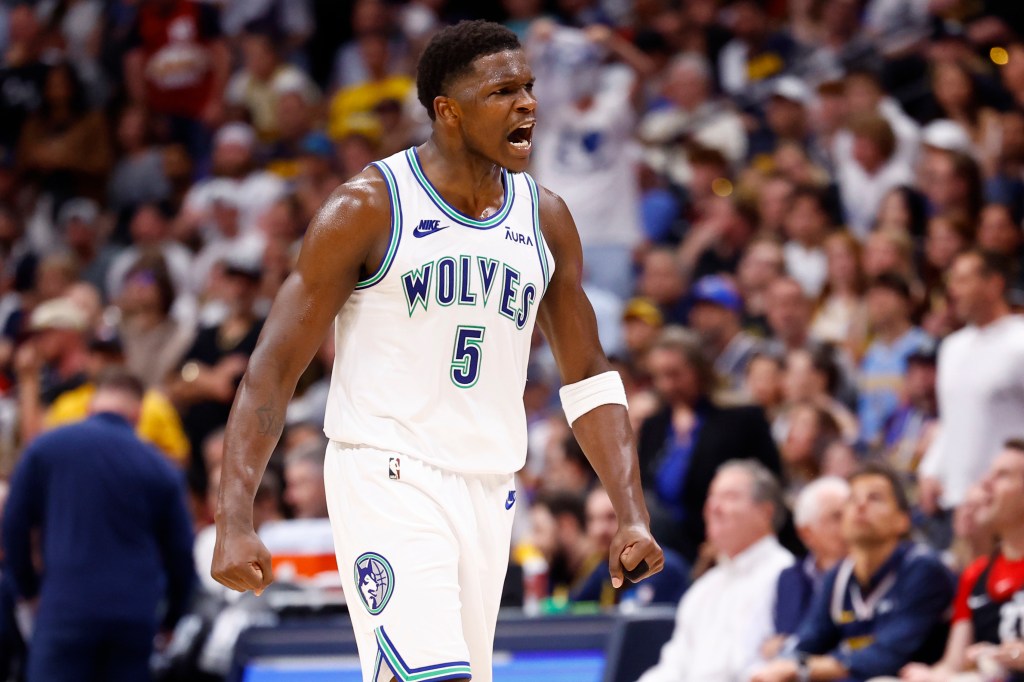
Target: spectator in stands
{"points": [[979, 368], [817, 514], [117, 543], [158, 422], [689, 117], [947, 237], [253, 89], [584, 140], [841, 315], [789, 316], [715, 316], [65, 146], [806, 228], [641, 324], [727, 613], [139, 176], [151, 233], [177, 68], [910, 429], [871, 171], [983, 619], [154, 342], [304, 493], [763, 383], [750, 61], [558, 530], [23, 76], [880, 608], [763, 262], [53, 360], [681, 446], [999, 231], [812, 377], [78, 220], [810, 431], [884, 365], [234, 148], [663, 281], [205, 385], [717, 241], [601, 526], [952, 184], [865, 94]]}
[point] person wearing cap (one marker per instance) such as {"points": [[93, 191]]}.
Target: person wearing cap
{"points": [[786, 117], [316, 177], [642, 321], [716, 316], [233, 160], [884, 365], [911, 427], [52, 360], [78, 221]]}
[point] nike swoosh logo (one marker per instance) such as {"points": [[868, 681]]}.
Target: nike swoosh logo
{"points": [[976, 602], [423, 232], [511, 499]]}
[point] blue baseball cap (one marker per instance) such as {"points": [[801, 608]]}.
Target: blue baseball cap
{"points": [[318, 144], [719, 291]]}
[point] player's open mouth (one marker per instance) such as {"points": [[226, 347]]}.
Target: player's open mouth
{"points": [[522, 137]]}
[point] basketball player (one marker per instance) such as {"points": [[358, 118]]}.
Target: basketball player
{"points": [[436, 263]]}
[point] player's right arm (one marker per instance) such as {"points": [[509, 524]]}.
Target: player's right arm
{"points": [[346, 239]]}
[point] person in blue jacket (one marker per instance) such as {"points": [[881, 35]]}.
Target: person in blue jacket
{"points": [[883, 606], [114, 539]]}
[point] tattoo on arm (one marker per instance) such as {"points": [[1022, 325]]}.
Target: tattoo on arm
{"points": [[269, 423]]}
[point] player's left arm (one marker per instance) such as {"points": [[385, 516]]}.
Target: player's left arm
{"points": [[567, 320]]}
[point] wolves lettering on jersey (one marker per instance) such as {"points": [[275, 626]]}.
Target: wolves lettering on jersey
{"points": [[445, 277], [432, 349]]}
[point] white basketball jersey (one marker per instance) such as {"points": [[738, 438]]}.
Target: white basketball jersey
{"points": [[431, 350]]}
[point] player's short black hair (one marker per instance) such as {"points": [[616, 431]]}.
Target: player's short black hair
{"points": [[451, 53]]}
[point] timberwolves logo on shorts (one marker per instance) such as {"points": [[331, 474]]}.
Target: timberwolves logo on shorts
{"points": [[375, 581]]}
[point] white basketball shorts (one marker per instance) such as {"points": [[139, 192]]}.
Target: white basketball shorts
{"points": [[422, 553]]}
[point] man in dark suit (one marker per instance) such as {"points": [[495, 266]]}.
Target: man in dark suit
{"points": [[682, 445], [116, 542]]}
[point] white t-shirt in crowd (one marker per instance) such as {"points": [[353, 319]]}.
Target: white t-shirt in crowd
{"points": [[981, 404]]}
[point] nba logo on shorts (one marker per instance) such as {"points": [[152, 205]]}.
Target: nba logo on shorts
{"points": [[394, 468], [375, 581]]}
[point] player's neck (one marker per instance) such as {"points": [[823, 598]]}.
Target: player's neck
{"points": [[466, 181]]}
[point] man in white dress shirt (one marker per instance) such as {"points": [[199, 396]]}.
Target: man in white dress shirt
{"points": [[980, 383], [727, 614]]}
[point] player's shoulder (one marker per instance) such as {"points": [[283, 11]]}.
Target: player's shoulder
{"points": [[550, 204], [361, 201]]}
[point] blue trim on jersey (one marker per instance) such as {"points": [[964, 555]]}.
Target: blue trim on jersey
{"points": [[387, 652], [396, 227], [538, 236], [453, 213]]}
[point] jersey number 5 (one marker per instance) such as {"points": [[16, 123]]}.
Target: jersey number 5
{"points": [[467, 355]]}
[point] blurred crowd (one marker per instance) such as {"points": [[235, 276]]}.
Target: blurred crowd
{"points": [[802, 225]]}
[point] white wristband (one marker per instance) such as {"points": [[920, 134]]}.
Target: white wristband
{"points": [[583, 396]]}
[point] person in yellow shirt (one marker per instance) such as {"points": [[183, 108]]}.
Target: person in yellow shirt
{"points": [[159, 423]]}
